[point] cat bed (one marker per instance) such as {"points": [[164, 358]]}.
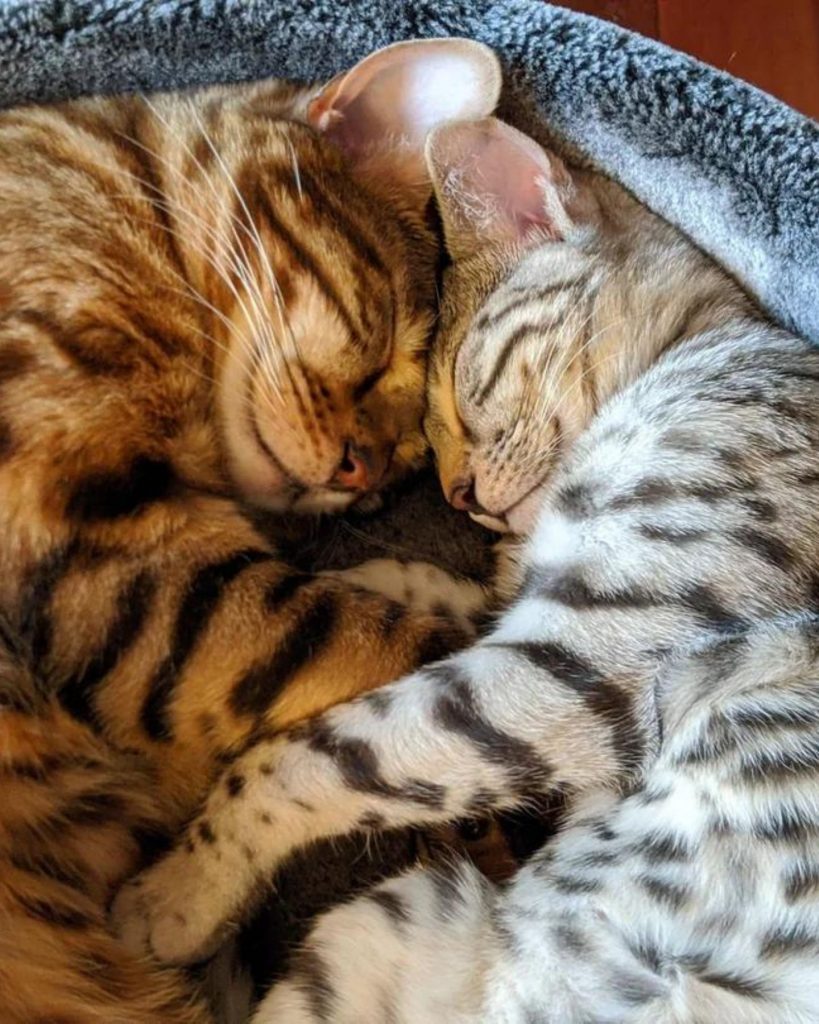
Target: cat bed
{"points": [[734, 168]]}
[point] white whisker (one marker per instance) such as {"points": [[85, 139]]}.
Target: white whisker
{"points": [[296, 173], [258, 320], [253, 231]]}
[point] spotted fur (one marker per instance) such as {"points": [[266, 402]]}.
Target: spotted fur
{"points": [[75, 816], [205, 300], [659, 665]]}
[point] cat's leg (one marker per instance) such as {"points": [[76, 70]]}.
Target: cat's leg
{"points": [[410, 950], [487, 729], [559, 694], [186, 635]]}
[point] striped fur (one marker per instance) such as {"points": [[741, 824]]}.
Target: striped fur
{"points": [[204, 300], [660, 665], [74, 814]]}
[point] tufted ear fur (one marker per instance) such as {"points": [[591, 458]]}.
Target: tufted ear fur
{"points": [[381, 111], [495, 184]]}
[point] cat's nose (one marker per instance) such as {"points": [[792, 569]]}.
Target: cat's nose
{"points": [[462, 496], [361, 467]]}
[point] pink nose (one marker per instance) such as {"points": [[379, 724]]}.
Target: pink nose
{"points": [[462, 496], [360, 468]]}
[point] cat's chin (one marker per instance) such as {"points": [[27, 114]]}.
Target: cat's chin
{"points": [[265, 486], [519, 520], [522, 518]]}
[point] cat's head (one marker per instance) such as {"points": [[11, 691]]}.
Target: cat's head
{"points": [[524, 342], [327, 286]]}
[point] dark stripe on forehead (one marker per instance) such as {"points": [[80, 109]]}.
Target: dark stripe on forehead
{"points": [[326, 203], [526, 296], [200, 603], [523, 333], [306, 260]]}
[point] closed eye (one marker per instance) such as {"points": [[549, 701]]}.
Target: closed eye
{"points": [[369, 382]]}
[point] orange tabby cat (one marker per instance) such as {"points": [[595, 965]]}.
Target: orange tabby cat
{"points": [[204, 299]]}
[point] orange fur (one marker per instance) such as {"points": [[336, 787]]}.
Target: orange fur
{"points": [[164, 629]]}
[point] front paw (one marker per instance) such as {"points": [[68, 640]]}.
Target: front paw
{"points": [[172, 911], [422, 587]]}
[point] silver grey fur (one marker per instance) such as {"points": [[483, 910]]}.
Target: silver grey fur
{"points": [[660, 664]]}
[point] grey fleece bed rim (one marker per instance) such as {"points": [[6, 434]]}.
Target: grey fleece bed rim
{"points": [[736, 169]]}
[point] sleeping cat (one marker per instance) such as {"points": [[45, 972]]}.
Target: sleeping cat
{"points": [[602, 386], [205, 300]]}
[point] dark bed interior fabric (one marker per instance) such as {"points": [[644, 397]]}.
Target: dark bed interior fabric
{"points": [[738, 171]]}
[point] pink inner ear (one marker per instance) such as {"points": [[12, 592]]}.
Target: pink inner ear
{"points": [[396, 96], [499, 182], [518, 173]]}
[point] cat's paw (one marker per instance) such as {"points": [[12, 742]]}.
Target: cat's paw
{"points": [[423, 587], [171, 911]]}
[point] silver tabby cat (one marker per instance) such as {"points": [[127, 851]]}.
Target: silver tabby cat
{"points": [[603, 385]]}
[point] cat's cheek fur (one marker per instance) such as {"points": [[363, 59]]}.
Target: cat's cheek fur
{"points": [[522, 518]]}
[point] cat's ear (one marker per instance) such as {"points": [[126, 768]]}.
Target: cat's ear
{"points": [[382, 110], [495, 184]]}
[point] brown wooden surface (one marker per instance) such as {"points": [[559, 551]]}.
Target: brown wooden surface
{"points": [[774, 44], [637, 15]]}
